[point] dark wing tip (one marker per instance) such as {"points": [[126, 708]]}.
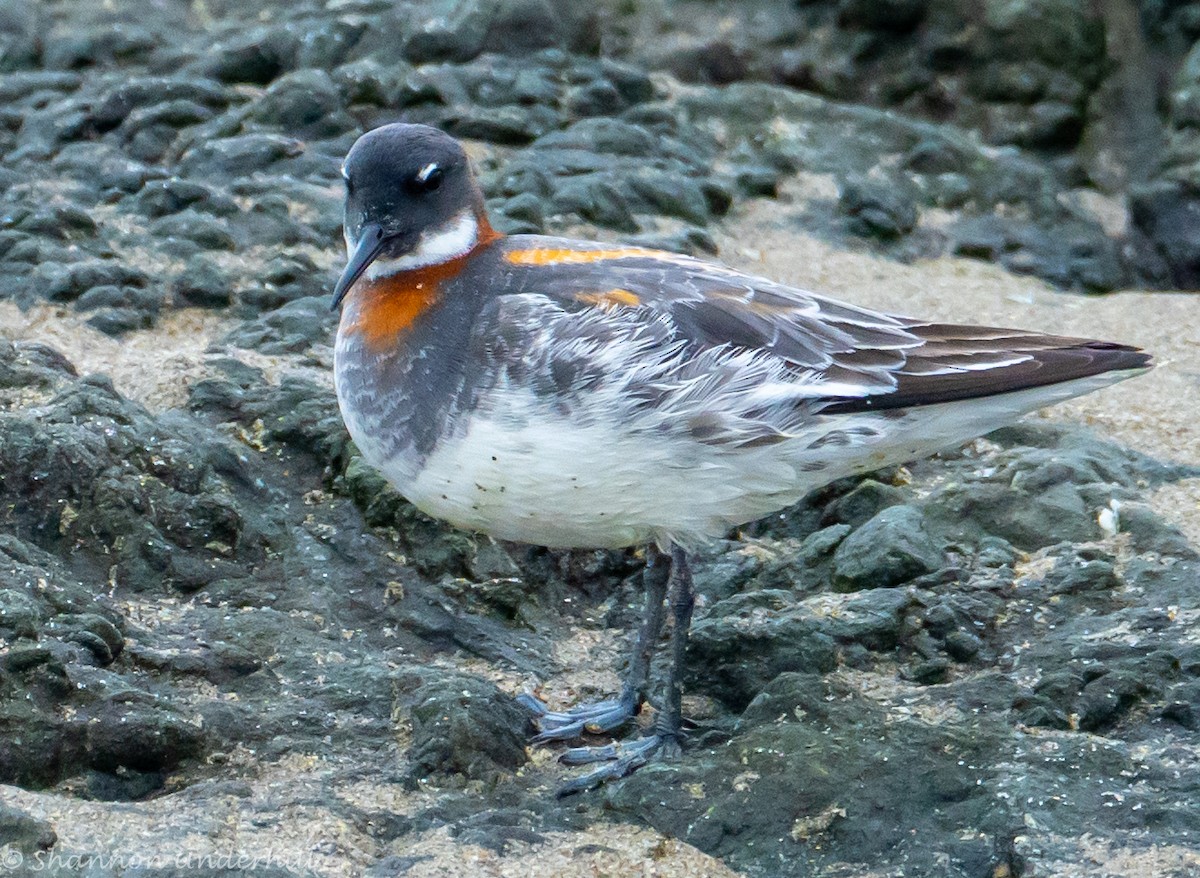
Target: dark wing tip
{"points": [[1114, 357], [1044, 360]]}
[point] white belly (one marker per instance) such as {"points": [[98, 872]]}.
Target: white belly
{"points": [[595, 480], [554, 481]]}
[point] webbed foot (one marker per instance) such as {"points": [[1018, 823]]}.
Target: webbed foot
{"points": [[619, 760], [594, 718]]}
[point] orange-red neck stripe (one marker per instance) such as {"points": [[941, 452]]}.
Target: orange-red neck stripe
{"points": [[380, 311]]}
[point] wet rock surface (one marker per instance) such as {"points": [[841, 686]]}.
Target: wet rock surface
{"points": [[918, 655], [973, 666]]}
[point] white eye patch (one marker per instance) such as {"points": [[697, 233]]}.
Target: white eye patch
{"points": [[425, 172]]}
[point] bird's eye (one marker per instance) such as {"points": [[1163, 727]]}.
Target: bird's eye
{"points": [[428, 179]]}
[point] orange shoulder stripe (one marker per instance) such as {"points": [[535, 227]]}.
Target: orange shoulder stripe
{"points": [[564, 256]]}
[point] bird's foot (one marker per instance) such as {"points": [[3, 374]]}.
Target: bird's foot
{"points": [[619, 760], [595, 717]]}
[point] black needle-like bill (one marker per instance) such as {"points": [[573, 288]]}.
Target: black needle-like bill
{"points": [[371, 241]]}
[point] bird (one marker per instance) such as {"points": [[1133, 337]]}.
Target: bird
{"points": [[579, 394]]}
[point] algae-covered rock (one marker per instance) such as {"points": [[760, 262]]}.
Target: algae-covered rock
{"points": [[464, 726], [889, 549]]}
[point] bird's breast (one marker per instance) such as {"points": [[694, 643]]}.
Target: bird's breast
{"points": [[397, 366]]}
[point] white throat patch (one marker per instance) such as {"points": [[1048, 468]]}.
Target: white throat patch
{"points": [[436, 246]]}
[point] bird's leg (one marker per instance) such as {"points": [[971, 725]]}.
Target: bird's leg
{"points": [[604, 716], [683, 600], [623, 759]]}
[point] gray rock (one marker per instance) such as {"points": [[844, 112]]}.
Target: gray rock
{"points": [[962, 646], [937, 155], [292, 328], [203, 283], [63, 222], [819, 545], [367, 81], [257, 57], [104, 169], [432, 85], [118, 310], [509, 125], [99, 473], [1150, 533], [632, 82], [758, 181], [65, 283], [671, 195], [948, 778], [929, 672], [1167, 214], [873, 619], [295, 412], [1183, 705], [824, 68], [1043, 125], [97, 44], [1185, 95], [746, 641], [690, 241], [203, 230], [1078, 576], [20, 27], [111, 296], [164, 97], [19, 614], [712, 61], [237, 156], [597, 199], [1061, 33], [597, 98], [603, 136], [891, 548], [24, 832], [460, 30], [326, 42], [1106, 699], [70, 626], [17, 86], [162, 197], [98, 634], [152, 132], [877, 210], [464, 726], [141, 738], [303, 102], [888, 15], [863, 502], [287, 279], [524, 209]]}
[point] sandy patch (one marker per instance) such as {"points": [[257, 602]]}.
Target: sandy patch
{"points": [[154, 367]]}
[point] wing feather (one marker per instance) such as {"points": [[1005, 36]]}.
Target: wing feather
{"points": [[840, 357]]}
